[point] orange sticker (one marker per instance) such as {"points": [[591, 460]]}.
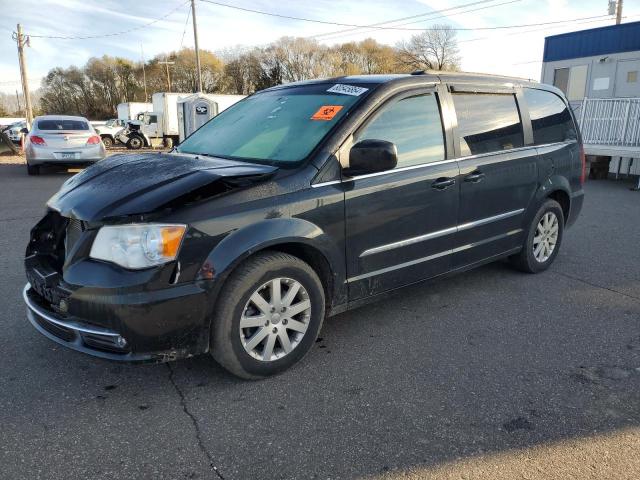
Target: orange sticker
{"points": [[326, 112]]}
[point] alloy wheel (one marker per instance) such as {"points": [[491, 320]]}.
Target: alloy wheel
{"points": [[275, 319], [546, 237]]}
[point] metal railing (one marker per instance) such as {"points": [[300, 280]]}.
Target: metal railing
{"points": [[611, 121]]}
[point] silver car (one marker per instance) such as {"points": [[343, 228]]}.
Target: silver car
{"points": [[62, 140]]}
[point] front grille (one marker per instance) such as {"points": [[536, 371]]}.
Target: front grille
{"points": [[103, 342], [66, 334], [72, 235]]}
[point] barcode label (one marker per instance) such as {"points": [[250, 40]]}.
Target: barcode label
{"points": [[347, 89]]}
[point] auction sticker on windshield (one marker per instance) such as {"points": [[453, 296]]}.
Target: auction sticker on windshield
{"points": [[347, 89], [326, 112]]}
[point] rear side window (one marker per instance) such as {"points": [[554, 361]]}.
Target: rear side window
{"points": [[414, 125], [487, 122], [62, 125], [550, 117]]}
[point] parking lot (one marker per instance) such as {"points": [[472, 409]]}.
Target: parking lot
{"points": [[490, 374]]}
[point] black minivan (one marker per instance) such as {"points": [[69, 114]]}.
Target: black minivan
{"points": [[299, 202]]}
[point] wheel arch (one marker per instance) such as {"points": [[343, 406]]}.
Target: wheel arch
{"points": [[557, 188], [296, 237]]}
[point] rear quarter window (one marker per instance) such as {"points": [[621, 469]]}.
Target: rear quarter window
{"points": [[550, 117], [487, 122], [62, 125]]}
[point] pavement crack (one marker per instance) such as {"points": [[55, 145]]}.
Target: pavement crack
{"points": [[194, 421], [595, 285]]}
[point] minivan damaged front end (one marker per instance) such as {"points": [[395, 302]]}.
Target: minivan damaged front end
{"points": [[80, 297]]}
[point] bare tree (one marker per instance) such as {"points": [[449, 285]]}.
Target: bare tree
{"points": [[434, 49]]}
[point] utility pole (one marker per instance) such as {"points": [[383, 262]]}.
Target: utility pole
{"points": [[195, 41], [144, 75], [21, 40], [166, 63], [619, 12]]}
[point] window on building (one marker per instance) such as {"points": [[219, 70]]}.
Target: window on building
{"points": [[414, 125], [561, 79], [632, 77], [487, 122], [550, 117], [572, 81]]}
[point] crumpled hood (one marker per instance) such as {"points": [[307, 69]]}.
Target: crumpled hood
{"points": [[136, 184]]}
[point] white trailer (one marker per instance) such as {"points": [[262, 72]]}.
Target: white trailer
{"points": [[130, 110]]}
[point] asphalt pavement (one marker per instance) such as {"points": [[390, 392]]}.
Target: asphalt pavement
{"points": [[489, 374]]}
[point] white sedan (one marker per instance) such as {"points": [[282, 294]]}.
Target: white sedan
{"points": [[62, 140]]}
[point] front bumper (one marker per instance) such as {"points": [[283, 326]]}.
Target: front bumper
{"points": [[155, 329]]}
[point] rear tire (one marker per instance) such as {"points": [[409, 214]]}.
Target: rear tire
{"points": [[135, 143], [271, 339], [543, 240], [167, 142], [33, 169]]}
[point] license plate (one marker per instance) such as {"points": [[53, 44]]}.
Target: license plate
{"points": [[68, 156]]}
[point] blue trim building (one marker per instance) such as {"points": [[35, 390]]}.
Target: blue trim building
{"points": [[599, 71], [596, 63]]}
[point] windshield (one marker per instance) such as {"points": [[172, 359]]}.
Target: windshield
{"points": [[62, 124], [278, 127]]}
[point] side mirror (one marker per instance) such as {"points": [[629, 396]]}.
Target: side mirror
{"points": [[371, 156], [24, 130]]}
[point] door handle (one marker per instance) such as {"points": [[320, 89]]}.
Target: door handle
{"points": [[474, 177], [443, 183]]}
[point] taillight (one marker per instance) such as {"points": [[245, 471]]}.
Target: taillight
{"points": [[93, 140], [583, 161], [36, 140]]}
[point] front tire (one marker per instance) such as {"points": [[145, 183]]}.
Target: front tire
{"points": [[268, 315], [107, 141], [543, 240], [135, 143]]}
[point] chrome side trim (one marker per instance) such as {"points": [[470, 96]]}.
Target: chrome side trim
{"points": [[431, 257], [66, 324], [399, 266], [484, 221], [409, 241], [440, 233], [401, 169], [324, 184], [442, 162]]}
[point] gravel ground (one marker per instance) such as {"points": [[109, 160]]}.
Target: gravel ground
{"points": [[20, 159], [492, 374]]}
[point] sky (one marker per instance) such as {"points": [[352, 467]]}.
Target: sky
{"points": [[515, 51]]}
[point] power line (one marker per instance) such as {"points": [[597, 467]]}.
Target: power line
{"points": [[113, 34], [303, 19], [434, 12], [355, 31], [577, 22], [184, 31]]}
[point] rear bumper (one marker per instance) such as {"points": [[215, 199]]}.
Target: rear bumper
{"points": [[577, 199], [86, 154]]}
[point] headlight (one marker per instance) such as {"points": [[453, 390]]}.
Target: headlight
{"points": [[139, 245]]}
